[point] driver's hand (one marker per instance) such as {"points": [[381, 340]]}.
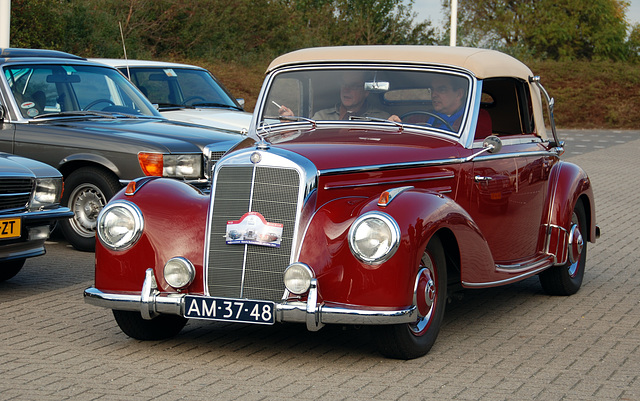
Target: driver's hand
{"points": [[394, 118]]}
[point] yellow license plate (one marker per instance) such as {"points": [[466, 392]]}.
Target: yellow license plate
{"points": [[10, 228], [496, 196]]}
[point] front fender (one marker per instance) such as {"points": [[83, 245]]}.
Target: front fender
{"points": [[175, 221], [420, 214], [87, 158]]}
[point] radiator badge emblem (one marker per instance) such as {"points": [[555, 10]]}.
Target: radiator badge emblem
{"points": [[253, 228]]}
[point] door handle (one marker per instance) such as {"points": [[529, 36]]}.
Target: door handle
{"points": [[480, 178]]}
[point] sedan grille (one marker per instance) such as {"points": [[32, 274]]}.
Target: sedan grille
{"points": [[246, 270], [15, 193]]}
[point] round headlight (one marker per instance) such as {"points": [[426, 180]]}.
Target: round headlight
{"points": [[120, 225], [179, 272], [297, 278], [374, 237]]}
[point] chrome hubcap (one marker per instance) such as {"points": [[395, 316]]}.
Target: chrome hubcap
{"points": [[425, 295], [86, 201]]}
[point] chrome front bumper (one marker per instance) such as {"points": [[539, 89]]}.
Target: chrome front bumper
{"points": [[150, 303]]}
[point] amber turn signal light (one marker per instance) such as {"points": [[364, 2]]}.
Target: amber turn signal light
{"points": [[151, 163]]}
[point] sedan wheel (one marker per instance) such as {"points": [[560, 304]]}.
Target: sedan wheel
{"points": [[87, 191], [10, 268], [412, 340]]}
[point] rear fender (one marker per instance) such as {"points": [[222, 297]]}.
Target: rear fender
{"points": [[569, 184]]}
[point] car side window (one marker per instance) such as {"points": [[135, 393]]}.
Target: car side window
{"points": [[508, 102]]}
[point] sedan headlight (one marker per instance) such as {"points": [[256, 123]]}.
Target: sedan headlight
{"points": [[186, 166], [374, 237], [48, 192], [120, 225]]}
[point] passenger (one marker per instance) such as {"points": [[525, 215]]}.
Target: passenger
{"points": [[353, 102]]}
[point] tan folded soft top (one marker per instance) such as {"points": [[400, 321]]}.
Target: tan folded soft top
{"points": [[483, 63]]}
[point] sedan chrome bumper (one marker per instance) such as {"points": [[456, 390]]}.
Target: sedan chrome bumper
{"points": [[150, 303]]}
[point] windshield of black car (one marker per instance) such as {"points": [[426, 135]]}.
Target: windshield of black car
{"points": [[423, 98], [174, 87], [40, 90]]}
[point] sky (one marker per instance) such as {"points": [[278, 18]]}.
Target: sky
{"points": [[432, 9]]}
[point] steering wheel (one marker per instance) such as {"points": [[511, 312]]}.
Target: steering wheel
{"points": [[90, 105], [190, 98], [427, 113]]}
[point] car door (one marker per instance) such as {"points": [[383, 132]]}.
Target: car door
{"points": [[509, 189]]}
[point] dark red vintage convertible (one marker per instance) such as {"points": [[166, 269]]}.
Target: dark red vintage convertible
{"points": [[379, 180]]}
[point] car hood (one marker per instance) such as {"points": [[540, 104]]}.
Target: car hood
{"points": [[356, 147], [171, 136], [213, 117], [16, 166]]}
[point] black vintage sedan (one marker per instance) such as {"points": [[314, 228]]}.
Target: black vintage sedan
{"points": [[89, 122], [29, 206]]}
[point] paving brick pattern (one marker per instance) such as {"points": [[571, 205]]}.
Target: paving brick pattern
{"points": [[507, 343]]}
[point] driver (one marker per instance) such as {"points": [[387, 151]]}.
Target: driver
{"points": [[447, 98], [353, 102]]}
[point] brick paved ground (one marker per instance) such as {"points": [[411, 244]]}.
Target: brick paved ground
{"points": [[505, 343]]}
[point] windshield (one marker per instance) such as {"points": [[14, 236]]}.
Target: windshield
{"points": [[41, 90], [180, 87], [423, 98]]}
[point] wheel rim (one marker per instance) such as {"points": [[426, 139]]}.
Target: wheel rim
{"points": [[425, 296], [86, 201], [576, 246]]}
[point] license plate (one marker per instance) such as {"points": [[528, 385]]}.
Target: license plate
{"points": [[229, 310], [10, 228]]}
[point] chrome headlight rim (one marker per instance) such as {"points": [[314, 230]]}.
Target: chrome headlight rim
{"points": [[302, 270], [394, 239], [135, 233], [185, 272]]}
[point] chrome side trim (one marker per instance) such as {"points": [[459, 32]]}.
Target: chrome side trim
{"points": [[371, 184], [379, 167], [505, 281]]}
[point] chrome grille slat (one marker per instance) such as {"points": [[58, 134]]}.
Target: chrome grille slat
{"points": [[251, 271], [15, 193]]}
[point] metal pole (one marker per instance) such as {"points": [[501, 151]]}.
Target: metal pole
{"points": [[5, 22], [454, 22]]}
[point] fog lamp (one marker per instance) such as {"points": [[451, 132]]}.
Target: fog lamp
{"points": [[179, 272], [297, 278]]}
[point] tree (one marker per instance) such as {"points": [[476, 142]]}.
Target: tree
{"points": [[554, 29], [379, 22]]}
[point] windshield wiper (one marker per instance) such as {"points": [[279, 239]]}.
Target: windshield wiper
{"points": [[400, 126], [213, 104], [77, 113], [174, 106]]}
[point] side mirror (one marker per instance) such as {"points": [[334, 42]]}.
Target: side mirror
{"points": [[492, 144], [240, 101]]}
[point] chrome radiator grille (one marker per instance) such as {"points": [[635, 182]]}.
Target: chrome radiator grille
{"points": [[15, 193], [244, 270]]}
